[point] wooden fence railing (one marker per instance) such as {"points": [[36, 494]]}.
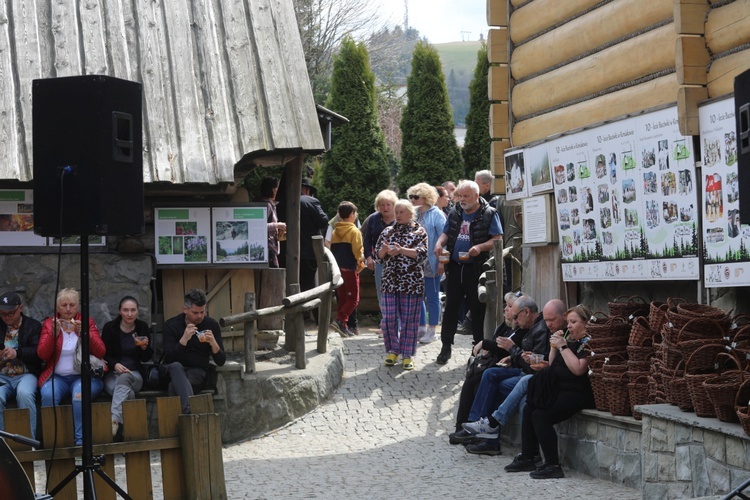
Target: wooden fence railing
{"points": [[490, 289], [189, 445], [293, 308]]}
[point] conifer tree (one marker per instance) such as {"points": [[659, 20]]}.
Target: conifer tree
{"points": [[356, 167], [476, 150], [429, 152]]}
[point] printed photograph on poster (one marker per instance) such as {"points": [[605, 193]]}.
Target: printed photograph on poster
{"points": [[537, 160], [68, 241], [240, 234], [17, 218], [182, 235], [515, 176]]}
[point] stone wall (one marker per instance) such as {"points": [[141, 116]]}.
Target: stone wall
{"points": [[111, 276]]}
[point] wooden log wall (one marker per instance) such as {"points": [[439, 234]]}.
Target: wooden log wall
{"points": [[580, 62]]}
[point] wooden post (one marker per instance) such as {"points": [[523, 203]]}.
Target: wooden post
{"points": [[137, 464], [293, 189], [101, 432], [172, 473], [497, 251], [249, 334], [60, 417], [272, 290], [17, 422], [324, 313], [290, 321], [200, 441], [492, 304]]}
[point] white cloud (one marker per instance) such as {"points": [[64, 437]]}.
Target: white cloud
{"points": [[440, 20]]}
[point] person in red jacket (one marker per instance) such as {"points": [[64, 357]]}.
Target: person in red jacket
{"points": [[57, 346]]}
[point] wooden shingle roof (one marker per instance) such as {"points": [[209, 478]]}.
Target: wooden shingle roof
{"points": [[222, 79]]}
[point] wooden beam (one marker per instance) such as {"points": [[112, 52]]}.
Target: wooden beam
{"points": [[497, 46], [497, 12], [692, 59], [497, 152], [539, 15], [722, 73], [609, 22], [728, 26], [497, 83], [657, 92], [688, 98], [500, 185], [690, 16], [499, 121], [615, 65]]}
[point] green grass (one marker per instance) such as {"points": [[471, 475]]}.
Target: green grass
{"points": [[458, 56]]}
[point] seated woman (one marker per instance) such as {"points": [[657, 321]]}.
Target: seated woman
{"points": [[57, 347], [128, 343], [555, 394]]}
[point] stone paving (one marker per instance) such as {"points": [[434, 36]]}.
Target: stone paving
{"points": [[385, 432]]}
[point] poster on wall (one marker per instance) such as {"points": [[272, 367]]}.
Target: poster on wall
{"points": [[626, 201], [17, 218], [74, 241], [725, 241], [182, 235], [537, 160], [240, 235], [516, 183]]}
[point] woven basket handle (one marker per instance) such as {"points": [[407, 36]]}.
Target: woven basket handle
{"points": [[600, 318], [637, 299], [679, 335], [673, 302], [730, 355], [743, 394], [692, 356]]}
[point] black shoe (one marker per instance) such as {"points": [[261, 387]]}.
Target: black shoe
{"points": [[445, 355], [461, 437], [548, 472], [341, 328], [520, 464], [538, 461], [118, 437], [485, 447]]}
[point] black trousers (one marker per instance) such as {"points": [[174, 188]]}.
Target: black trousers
{"points": [[462, 281], [466, 399], [184, 381]]}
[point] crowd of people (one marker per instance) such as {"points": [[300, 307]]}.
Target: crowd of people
{"points": [[45, 358]]}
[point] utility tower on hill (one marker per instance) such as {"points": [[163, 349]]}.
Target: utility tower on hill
{"points": [[406, 15]]}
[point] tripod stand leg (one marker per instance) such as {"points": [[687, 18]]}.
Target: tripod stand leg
{"points": [[112, 484], [57, 489]]}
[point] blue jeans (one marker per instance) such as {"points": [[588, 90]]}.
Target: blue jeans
{"points": [[24, 389], [70, 385], [496, 384], [432, 297], [515, 401]]}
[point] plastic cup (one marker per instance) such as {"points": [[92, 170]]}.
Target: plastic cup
{"points": [[202, 337], [140, 340], [535, 359], [463, 255]]}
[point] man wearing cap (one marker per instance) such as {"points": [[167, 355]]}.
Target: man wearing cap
{"points": [[312, 221], [19, 363]]}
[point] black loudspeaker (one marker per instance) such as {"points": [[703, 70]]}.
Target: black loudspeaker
{"points": [[742, 117], [88, 156]]}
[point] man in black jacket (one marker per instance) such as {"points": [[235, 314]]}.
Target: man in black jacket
{"points": [[191, 339], [312, 221], [20, 365]]}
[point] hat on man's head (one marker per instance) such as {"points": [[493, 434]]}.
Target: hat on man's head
{"points": [[9, 301], [306, 183]]}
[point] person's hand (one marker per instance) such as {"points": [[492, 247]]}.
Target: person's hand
{"points": [[525, 355], [370, 263], [190, 330], [557, 340], [8, 353], [394, 250], [281, 227], [438, 250], [120, 368], [474, 251], [477, 347], [504, 343], [441, 269]]}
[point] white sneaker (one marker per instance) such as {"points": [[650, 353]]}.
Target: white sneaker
{"points": [[429, 336], [422, 331], [481, 426]]}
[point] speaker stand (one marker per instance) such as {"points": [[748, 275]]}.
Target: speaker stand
{"points": [[89, 464]]}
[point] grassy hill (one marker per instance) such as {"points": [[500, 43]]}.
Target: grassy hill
{"points": [[460, 58]]}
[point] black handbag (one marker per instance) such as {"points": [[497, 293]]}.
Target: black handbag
{"points": [[476, 365]]}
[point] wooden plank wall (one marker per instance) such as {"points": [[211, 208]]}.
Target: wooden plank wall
{"points": [[498, 79]]}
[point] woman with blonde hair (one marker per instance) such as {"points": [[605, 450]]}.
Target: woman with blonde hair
{"points": [[57, 347], [373, 225], [432, 219]]}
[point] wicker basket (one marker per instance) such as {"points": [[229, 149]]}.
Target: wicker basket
{"points": [[678, 392], [600, 391], [617, 394], [657, 315], [688, 339], [615, 365], [698, 368], [742, 400], [722, 389], [625, 306], [636, 353], [638, 393], [640, 333]]}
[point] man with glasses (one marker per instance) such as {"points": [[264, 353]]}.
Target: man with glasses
{"points": [[498, 382], [468, 237], [19, 363]]}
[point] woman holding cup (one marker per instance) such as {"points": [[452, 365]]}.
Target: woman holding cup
{"points": [[57, 346], [128, 343]]}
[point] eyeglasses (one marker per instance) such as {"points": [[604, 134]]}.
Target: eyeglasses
{"points": [[8, 314], [515, 316], [413, 196]]}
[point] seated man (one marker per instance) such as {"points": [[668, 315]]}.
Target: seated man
{"points": [[190, 339], [554, 318], [19, 338], [498, 383], [487, 347]]}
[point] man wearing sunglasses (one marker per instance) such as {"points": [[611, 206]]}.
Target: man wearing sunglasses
{"points": [[19, 363]]}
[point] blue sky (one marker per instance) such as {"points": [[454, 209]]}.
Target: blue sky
{"points": [[441, 20]]}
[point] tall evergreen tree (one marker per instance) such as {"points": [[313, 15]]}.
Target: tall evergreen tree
{"points": [[429, 152], [476, 150], [356, 167]]}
